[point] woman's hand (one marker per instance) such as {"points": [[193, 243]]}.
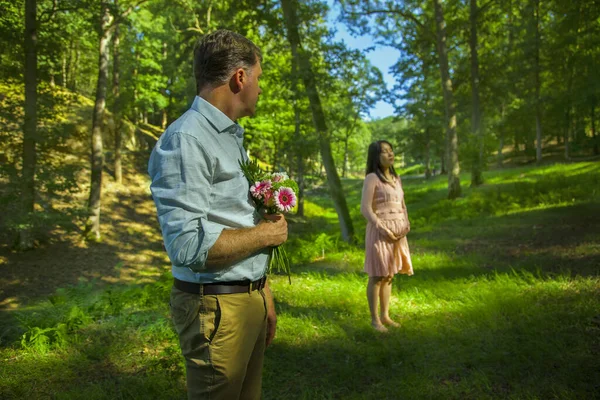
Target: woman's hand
{"points": [[404, 231], [391, 235]]}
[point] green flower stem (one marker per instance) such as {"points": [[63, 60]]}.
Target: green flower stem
{"points": [[280, 262]]}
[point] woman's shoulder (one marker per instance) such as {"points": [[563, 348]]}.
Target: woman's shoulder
{"points": [[372, 176]]}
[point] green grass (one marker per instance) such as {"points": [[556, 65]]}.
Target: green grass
{"points": [[504, 304]]}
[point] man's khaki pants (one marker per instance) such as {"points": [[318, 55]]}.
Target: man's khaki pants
{"points": [[222, 338]]}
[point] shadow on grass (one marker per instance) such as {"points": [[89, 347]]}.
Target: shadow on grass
{"points": [[521, 345]]}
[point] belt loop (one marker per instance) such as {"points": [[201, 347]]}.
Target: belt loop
{"points": [[201, 291]]}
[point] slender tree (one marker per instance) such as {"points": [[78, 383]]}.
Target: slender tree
{"points": [[537, 81], [476, 119], [303, 59], [117, 103], [451, 135], [92, 230], [30, 119]]}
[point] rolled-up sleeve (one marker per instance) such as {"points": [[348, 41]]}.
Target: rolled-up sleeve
{"points": [[182, 174]]}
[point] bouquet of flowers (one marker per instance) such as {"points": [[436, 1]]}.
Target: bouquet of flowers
{"points": [[272, 193]]}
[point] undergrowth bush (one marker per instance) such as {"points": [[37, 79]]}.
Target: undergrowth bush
{"points": [[57, 322]]}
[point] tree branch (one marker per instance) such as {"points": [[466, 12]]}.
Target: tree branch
{"points": [[131, 8], [407, 15], [486, 5], [55, 9]]}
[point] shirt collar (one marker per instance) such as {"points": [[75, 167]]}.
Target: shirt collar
{"points": [[216, 117]]}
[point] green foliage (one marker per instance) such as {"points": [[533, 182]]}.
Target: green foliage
{"points": [[42, 340]]}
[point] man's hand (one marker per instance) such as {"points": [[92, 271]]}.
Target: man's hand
{"points": [[271, 326], [274, 229], [271, 314]]}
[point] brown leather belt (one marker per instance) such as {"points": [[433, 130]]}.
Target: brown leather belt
{"points": [[220, 287]]}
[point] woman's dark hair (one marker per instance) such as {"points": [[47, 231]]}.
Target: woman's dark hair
{"points": [[219, 53], [373, 162]]}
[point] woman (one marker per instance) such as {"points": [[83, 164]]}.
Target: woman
{"points": [[386, 247]]}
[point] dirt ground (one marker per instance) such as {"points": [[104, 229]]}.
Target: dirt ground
{"points": [[131, 249]]}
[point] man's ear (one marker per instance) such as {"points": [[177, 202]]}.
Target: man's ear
{"points": [[238, 80]]}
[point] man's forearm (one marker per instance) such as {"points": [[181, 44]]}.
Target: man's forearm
{"points": [[234, 245], [271, 314], [269, 300], [237, 244]]}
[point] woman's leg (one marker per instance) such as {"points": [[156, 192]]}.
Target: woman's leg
{"points": [[373, 295], [384, 298]]}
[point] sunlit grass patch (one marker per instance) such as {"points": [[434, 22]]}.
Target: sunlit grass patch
{"points": [[314, 210]]}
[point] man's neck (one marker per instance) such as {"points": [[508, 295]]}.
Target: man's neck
{"points": [[220, 99]]}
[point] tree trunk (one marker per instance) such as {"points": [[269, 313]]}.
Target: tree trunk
{"points": [[75, 65], [476, 172], [593, 122], [443, 163], [136, 111], [300, 159], [303, 60], [451, 135], [500, 157], [349, 132], [29, 123], [538, 111], [70, 64], [427, 154], [345, 164], [164, 120], [117, 105], [30, 119], [567, 134], [298, 135], [92, 229], [64, 71]]}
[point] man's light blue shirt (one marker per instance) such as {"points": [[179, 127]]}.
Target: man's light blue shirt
{"points": [[199, 190]]}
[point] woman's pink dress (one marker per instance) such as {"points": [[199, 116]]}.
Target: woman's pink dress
{"points": [[383, 206]]}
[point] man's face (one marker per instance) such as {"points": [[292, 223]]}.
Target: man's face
{"points": [[252, 89]]}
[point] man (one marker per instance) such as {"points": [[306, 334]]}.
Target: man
{"points": [[221, 304]]}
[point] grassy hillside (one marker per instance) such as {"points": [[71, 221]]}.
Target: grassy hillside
{"points": [[504, 303]]}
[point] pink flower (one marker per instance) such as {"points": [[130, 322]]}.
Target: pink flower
{"points": [[285, 199], [259, 189], [269, 200]]}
